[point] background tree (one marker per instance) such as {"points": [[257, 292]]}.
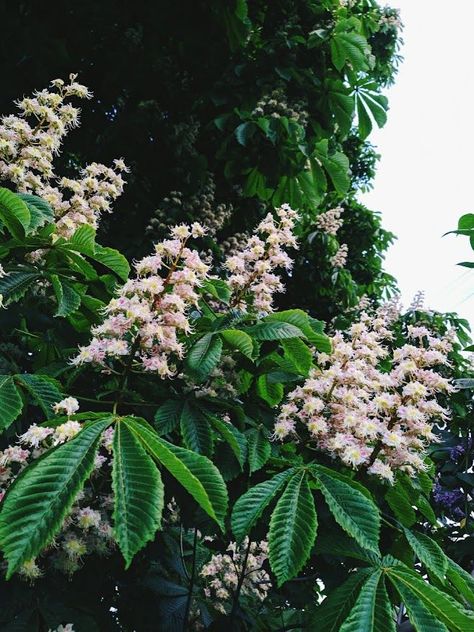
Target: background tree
{"points": [[223, 110]]}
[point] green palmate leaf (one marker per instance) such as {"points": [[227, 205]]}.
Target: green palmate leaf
{"points": [[10, 402], [461, 580], [400, 504], [14, 285], [218, 289], [232, 436], [168, 415], [274, 331], [41, 212], [238, 340], [14, 213], [341, 103], [364, 616], [78, 263], [298, 353], [83, 239], [466, 221], [293, 528], [337, 166], [384, 620], [310, 187], [353, 511], [334, 610], [296, 317], [196, 473], [256, 185], [419, 614], [371, 105], [44, 391], [428, 552], [68, 299], [270, 392], [195, 430], [426, 509], [248, 509], [349, 48], [440, 604], [112, 259], [364, 121], [138, 493], [338, 544], [259, 449], [38, 501], [311, 328], [204, 355], [244, 132]]}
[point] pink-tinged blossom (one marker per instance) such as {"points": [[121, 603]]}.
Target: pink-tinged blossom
{"points": [[330, 221], [13, 454], [252, 278], [340, 258], [149, 317], [364, 415], [35, 435]]}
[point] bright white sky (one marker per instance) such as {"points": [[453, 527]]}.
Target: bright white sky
{"points": [[425, 179]]}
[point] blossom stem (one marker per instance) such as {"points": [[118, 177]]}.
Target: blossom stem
{"points": [[124, 376], [240, 584], [191, 584]]}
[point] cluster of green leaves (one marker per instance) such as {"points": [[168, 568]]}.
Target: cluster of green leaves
{"points": [[320, 517], [65, 263], [187, 110], [180, 93]]}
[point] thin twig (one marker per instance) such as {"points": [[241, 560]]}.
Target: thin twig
{"points": [[191, 584]]}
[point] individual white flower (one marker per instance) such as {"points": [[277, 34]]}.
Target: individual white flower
{"points": [[66, 431], [69, 406]]}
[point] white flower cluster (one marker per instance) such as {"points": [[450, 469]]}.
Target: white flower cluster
{"points": [[151, 311], [29, 143], [330, 221], [67, 406], [340, 258], [221, 574], [252, 276], [370, 405]]}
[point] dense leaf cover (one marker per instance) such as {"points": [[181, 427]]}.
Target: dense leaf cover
{"points": [[169, 501]]}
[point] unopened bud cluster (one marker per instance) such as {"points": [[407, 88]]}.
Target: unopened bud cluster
{"points": [[222, 573], [203, 205], [276, 104]]}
